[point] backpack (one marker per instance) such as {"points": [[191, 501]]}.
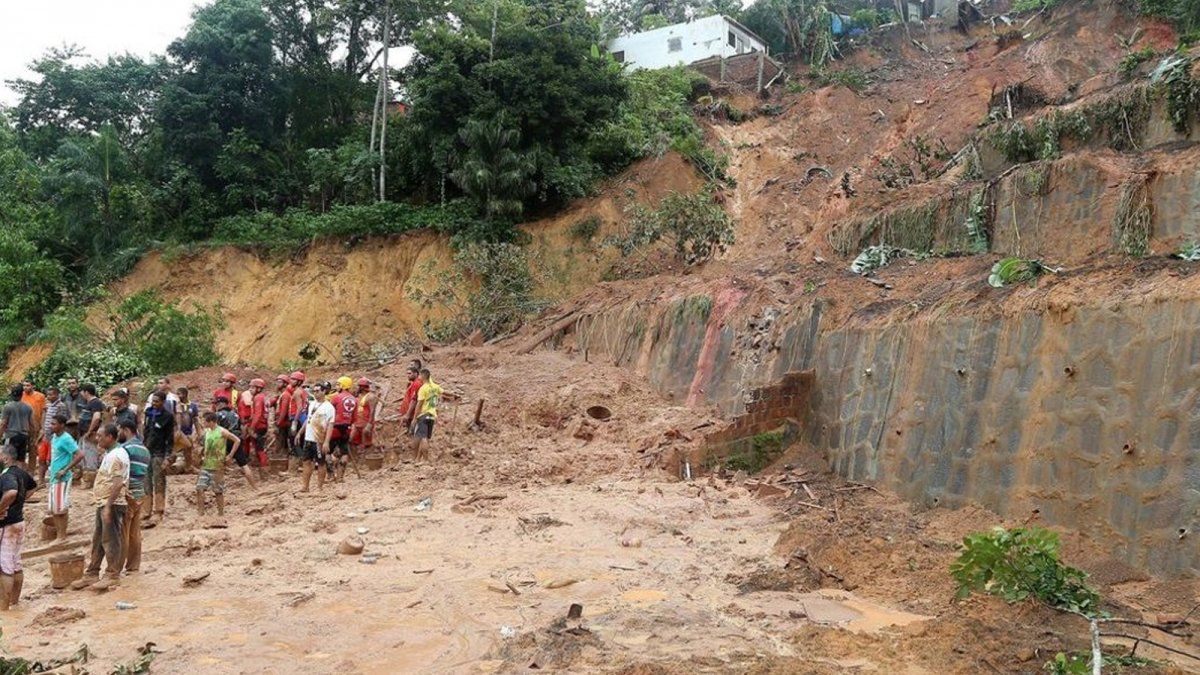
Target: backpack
{"points": [[229, 420]]}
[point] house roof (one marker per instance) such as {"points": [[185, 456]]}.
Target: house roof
{"points": [[728, 19]]}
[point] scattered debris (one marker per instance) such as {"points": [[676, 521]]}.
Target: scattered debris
{"points": [[195, 579], [122, 605], [424, 504], [560, 583], [351, 546]]}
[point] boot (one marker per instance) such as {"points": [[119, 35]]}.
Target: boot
{"points": [[107, 583], [293, 463], [86, 580], [6, 591], [60, 527]]}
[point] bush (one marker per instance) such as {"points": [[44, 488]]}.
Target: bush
{"points": [[1022, 563], [165, 337], [697, 226], [298, 226], [654, 117], [102, 366], [492, 285]]}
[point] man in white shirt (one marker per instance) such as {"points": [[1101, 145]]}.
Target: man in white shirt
{"points": [[108, 492], [316, 435]]}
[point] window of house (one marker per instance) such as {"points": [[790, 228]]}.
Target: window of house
{"points": [[675, 44], [619, 56], [732, 39]]}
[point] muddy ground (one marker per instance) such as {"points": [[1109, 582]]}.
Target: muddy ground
{"points": [[528, 517]]}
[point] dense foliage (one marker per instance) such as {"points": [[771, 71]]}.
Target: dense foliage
{"points": [[143, 335], [253, 128]]}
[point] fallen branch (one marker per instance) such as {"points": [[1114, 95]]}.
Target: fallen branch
{"points": [[1148, 641], [479, 498], [811, 505], [554, 329]]}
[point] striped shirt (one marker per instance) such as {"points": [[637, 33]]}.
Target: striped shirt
{"points": [[139, 467], [52, 410]]}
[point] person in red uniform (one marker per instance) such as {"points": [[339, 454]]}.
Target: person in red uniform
{"points": [[281, 404], [257, 424], [298, 409], [228, 389], [345, 407], [362, 436]]}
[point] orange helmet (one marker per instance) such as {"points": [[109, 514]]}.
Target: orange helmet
{"points": [[257, 382], [229, 377], [281, 378], [364, 382], [298, 376]]}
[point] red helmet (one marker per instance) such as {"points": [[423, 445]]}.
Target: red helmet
{"points": [[298, 376], [281, 378], [229, 377], [257, 382], [364, 382]]}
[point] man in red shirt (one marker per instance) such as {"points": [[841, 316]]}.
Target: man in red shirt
{"points": [[345, 407], [256, 426], [408, 406]]}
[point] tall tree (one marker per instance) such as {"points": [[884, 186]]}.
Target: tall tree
{"points": [[224, 79]]}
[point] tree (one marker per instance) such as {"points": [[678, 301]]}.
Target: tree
{"points": [[68, 99], [492, 173], [223, 79]]}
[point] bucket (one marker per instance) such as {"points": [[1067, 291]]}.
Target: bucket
{"points": [[373, 462], [279, 464], [65, 568], [49, 531]]}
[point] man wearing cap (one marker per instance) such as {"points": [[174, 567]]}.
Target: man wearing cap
{"points": [[345, 406], [317, 432], [227, 388], [158, 435], [363, 434], [256, 427]]}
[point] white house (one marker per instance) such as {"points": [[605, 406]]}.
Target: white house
{"points": [[684, 43]]}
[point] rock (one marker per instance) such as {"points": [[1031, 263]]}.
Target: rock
{"points": [[463, 508], [764, 490], [740, 477], [195, 579], [1025, 654], [56, 615], [340, 494], [631, 542], [351, 546], [585, 431]]}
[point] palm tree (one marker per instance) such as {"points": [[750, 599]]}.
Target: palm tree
{"points": [[492, 172]]}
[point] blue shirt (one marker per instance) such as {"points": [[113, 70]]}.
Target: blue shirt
{"points": [[62, 451]]}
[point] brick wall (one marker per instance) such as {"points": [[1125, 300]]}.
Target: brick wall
{"points": [[782, 406]]}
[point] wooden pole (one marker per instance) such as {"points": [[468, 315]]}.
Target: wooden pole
{"points": [[761, 61], [722, 69]]}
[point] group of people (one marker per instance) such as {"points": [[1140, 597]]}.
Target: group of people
{"points": [[126, 453]]}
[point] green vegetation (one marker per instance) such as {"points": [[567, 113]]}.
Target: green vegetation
{"points": [[1189, 252], [1182, 94], [1185, 14], [585, 230], [797, 29], [254, 129], [696, 226], [1011, 271], [1022, 563], [1134, 59], [763, 449], [853, 79], [978, 219], [1034, 5], [145, 335], [1080, 663], [490, 290]]}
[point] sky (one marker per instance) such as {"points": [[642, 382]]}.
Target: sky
{"points": [[101, 27]]}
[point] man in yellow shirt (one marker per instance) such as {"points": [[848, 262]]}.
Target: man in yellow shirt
{"points": [[428, 398]]}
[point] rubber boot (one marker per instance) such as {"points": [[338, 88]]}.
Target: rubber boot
{"points": [[60, 527], [84, 581], [109, 582], [18, 582], [6, 591], [293, 464]]}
